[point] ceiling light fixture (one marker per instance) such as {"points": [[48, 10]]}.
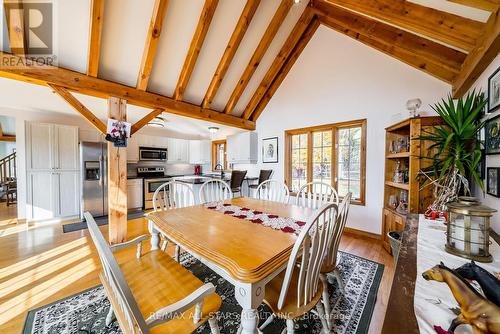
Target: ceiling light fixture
{"points": [[296, 1], [157, 122], [213, 129]]}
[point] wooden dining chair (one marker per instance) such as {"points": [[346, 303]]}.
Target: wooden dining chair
{"points": [[264, 175], [172, 195], [315, 194], [298, 290], [330, 270], [174, 300], [273, 190], [237, 177], [214, 191]]}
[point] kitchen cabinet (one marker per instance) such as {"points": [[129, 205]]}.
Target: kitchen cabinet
{"points": [[91, 135], [134, 193], [51, 147], [178, 151], [53, 194], [53, 177], [153, 141], [200, 152], [133, 148], [242, 148]]}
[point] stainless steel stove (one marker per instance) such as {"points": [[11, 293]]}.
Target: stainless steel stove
{"points": [[154, 177]]}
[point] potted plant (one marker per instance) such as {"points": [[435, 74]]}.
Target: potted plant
{"points": [[456, 149]]}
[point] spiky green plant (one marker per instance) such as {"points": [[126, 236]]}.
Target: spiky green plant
{"points": [[457, 147]]}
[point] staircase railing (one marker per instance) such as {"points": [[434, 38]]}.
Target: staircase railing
{"points": [[8, 168]]}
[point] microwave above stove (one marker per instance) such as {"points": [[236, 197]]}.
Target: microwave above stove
{"points": [[152, 154]]}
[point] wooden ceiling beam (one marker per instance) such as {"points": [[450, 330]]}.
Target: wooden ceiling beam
{"points": [[487, 5], [95, 35], [152, 40], [194, 49], [11, 139], [231, 48], [259, 53], [280, 59], [433, 58], [287, 66], [488, 47], [145, 120], [14, 14], [84, 84], [447, 28], [80, 108]]}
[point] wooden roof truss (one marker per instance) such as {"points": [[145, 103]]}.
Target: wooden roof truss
{"points": [[452, 48]]}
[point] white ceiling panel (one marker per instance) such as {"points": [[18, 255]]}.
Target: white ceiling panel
{"points": [[72, 33], [275, 47], [125, 26], [179, 26], [457, 9], [257, 27], [223, 23]]}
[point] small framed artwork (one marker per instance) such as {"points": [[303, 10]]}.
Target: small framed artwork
{"points": [[492, 140], [494, 91], [270, 150], [493, 182]]}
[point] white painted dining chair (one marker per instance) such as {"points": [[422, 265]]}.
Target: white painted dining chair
{"points": [[214, 191], [128, 298], [273, 190], [330, 270], [298, 290], [172, 195], [315, 194]]}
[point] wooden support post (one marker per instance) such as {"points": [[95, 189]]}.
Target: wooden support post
{"points": [[117, 178]]}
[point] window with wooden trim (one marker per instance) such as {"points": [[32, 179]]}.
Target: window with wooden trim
{"points": [[219, 154], [334, 154]]}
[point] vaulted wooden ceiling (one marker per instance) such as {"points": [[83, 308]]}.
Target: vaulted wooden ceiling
{"points": [[453, 48]]}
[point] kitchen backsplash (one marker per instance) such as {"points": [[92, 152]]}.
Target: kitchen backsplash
{"points": [[170, 169]]}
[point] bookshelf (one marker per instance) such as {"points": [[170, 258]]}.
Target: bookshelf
{"points": [[403, 162]]}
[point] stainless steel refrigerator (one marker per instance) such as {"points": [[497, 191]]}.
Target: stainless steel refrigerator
{"points": [[93, 157]]}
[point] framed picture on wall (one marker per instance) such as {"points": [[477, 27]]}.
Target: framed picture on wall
{"points": [[492, 140], [494, 91], [270, 150], [493, 182]]}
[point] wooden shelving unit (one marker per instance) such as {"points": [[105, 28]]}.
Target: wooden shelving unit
{"points": [[409, 158]]}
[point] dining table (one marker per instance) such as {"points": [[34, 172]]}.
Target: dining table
{"points": [[246, 254]]}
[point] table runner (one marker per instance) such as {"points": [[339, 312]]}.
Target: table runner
{"points": [[433, 301], [285, 224]]}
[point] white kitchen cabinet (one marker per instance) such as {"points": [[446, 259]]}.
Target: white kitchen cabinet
{"points": [[200, 152], [51, 147], [53, 178], [133, 148], [66, 148], [178, 151], [53, 194], [91, 135], [67, 194], [242, 148], [153, 141], [134, 193]]}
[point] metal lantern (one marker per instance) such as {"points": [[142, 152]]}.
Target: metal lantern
{"points": [[468, 229]]}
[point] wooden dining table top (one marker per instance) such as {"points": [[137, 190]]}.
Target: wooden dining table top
{"points": [[249, 252]]}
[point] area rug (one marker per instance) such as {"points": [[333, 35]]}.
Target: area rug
{"points": [[86, 312], [82, 225]]}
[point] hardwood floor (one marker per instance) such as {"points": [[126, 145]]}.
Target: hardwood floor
{"points": [[40, 264]]}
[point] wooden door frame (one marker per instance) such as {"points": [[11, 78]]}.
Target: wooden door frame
{"points": [[216, 143]]}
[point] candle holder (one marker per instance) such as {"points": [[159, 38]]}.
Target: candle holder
{"points": [[468, 228]]}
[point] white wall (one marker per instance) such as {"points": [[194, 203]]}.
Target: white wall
{"points": [[491, 160], [337, 79]]}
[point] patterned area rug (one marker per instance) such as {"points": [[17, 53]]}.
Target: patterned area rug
{"points": [[86, 311]]}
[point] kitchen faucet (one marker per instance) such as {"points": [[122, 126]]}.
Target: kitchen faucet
{"points": [[221, 170]]}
